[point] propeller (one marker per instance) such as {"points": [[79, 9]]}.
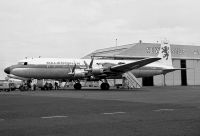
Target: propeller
{"points": [[92, 71], [88, 72], [89, 67], [73, 70], [91, 63], [77, 73]]}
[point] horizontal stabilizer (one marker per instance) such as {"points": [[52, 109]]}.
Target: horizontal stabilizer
{"points": [[173, 69], [133, 65]]}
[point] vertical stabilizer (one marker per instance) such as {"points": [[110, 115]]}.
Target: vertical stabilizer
{"points": [[165, 54]]}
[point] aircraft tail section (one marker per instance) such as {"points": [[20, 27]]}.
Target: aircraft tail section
{"points": [[173, 69], [165, 54]]}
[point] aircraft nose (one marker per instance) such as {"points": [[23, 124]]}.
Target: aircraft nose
{"points": [[7, 70]]}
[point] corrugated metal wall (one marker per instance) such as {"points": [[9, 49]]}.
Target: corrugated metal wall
{"points": [[158, 80], [197, 72], [193, 72], [174, 78], [177, 74], [171, 79], [190, 72]]}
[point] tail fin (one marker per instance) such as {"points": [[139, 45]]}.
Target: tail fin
{"points": [[165, 54]]}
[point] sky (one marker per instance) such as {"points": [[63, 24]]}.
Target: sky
{"points": [[75, 28]]}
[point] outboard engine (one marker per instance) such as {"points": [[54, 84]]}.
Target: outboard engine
{"points": [[97, 71]]}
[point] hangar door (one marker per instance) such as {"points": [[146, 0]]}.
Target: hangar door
{"points": [[147, 81], [183, 73]]}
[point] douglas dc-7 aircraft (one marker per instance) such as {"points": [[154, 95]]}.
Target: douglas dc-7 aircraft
{"points": [[91, 69]]}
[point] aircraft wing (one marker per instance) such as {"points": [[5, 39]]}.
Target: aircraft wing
{"points": [[133, 65], [121, 56]]}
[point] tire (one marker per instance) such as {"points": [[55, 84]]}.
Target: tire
{"points": [[77, 86], [105, 86]]}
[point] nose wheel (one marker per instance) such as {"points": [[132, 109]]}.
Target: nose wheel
{"points": [[105, 86]]}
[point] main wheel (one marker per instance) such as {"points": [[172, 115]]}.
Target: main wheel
{"points": [[77, 86], [105, 86]]}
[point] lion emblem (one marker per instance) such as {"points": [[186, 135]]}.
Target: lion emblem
{"points": [[165, 51]]}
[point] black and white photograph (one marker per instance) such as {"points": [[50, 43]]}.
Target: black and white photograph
{"points": [[99, 68]]}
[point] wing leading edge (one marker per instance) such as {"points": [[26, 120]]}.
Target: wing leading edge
{"points": [[133, 65]]}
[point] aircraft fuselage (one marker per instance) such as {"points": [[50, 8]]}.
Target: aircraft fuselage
{"points": [[60, 68]]}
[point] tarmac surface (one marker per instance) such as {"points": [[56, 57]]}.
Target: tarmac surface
{"points": [[150, 111]]}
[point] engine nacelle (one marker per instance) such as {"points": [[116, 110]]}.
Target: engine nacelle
{"points": [[97, 71], [79, 75]]}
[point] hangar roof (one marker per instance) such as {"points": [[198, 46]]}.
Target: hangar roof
{"points": [[142, 50], [109, 51]]}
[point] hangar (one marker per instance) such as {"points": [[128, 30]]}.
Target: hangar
{"points": [[183, 56]]}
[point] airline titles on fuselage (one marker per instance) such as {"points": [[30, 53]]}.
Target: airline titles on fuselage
{"points": [[63, 63]]}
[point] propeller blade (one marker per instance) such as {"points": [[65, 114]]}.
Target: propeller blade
{"points": [[73, 69], [91, 63], [86, 64]]}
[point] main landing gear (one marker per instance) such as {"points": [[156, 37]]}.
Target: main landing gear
{"points": [[105, 85], [77, 86]]}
